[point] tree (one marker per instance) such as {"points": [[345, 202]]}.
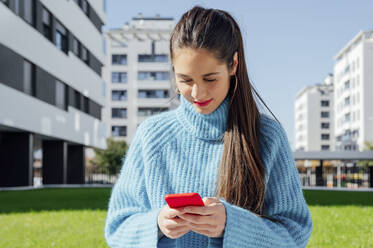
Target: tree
{"points": [[368, 145], [367, 163], [110, 160]]}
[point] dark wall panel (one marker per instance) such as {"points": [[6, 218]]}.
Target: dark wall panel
{"points": [[16, 170], [95, 64], [54, 162], [11, 68], [75, 164], [95, 19], [94, 109], [45, 86]]}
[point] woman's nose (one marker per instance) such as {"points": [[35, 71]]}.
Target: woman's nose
{"points": [[197, 92]]}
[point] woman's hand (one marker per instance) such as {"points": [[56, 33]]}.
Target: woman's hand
{"points": [[172, 226], [208, 220]]}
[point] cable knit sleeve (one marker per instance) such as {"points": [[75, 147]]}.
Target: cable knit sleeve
{"points": [[284, 202], [130, 221]]}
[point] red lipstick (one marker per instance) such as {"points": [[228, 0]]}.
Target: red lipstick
{"points": [[202, 104]]}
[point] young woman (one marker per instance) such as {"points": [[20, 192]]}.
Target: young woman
{"points": [[216, 143]]}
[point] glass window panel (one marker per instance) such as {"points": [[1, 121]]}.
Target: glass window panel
{"points": [[46, 17], [84, 6], [28, 6], [27, 78], [119, 131], [60, 95], [75, 46], [84, 54]]}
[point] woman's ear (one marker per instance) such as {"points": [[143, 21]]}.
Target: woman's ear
{"points": [[235, 63]]}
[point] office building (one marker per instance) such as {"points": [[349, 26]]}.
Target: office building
{"points": [[313, 113], [354, 93], [138, 74], [51, 88]]}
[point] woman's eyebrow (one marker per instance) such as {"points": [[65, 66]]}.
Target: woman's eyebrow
{"points": [[205, 75]]}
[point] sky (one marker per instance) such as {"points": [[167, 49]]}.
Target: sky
{"points": [[288, 44]]}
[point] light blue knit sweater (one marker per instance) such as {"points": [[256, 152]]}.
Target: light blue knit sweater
{"points": [[179, 152]]}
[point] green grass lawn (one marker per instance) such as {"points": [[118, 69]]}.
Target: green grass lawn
{"points": [[76, 217]]}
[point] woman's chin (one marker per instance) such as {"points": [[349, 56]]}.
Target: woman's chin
{"points": [[204, 111]]}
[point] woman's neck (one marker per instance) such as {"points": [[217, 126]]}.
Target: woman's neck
{"points": [[204, 126]]}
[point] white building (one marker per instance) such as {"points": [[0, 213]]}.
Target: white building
{"points": [[314, 117], [354, 93], [51, 54], [138, 74]]}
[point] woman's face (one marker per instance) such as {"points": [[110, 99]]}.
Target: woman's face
{"points": [[201, 78]]}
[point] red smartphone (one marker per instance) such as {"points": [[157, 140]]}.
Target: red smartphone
{"points": [[183, 199]]}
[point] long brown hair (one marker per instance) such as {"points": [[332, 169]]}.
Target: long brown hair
{"points": [[241, 177]]}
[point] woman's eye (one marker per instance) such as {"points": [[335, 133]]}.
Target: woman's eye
{"points": [[210, 80], [185, 81]]}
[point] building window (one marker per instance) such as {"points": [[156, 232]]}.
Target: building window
{"points": [[325, 147], [119, 131], [325, 125], [119, 95], [347, 117], [61, 37], [16, 5], [86, 104], [347, 135], [157, 58], [325, 103], [76, 47], [84, 54], [84, 6], [77, 100], [60, 95], [150, 111], [119, 77], [347, 101], [6, 2], [355, 134], [324, 114], [149, 75], [347, 84], [347, 69], [119, 59], [47, 29], [28, 8], [119, 113], [153, 93], [28, 78], [325, 136]]}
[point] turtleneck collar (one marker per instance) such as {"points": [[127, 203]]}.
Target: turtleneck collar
{"points": [[204, 126]]}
